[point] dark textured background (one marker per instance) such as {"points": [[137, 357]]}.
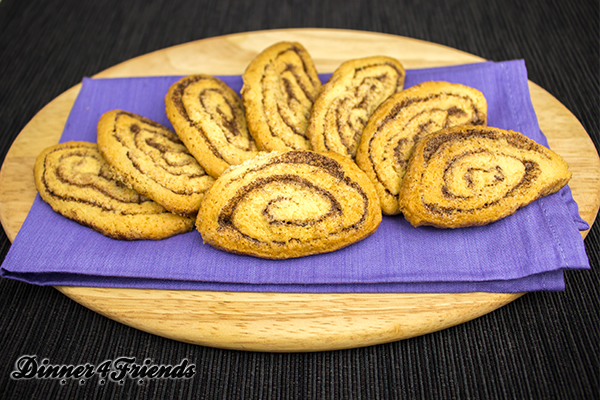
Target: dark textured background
{"points": [[542, 346]]}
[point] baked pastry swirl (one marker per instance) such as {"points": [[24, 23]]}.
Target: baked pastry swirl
{"points": [[280, 87], [208, 116], [76, 182], [474, 175], [388, 139], [151, 159], [289, 204], [348, 99]]}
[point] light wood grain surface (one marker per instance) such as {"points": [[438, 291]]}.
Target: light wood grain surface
{"points": [[282, 322]]}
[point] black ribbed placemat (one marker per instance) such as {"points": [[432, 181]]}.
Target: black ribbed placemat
{"points": [[542, 346]]}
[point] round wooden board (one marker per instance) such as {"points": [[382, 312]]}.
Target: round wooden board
{"points": [[284, 322]]}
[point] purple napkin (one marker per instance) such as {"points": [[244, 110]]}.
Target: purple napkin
{"points": [[527, 251]]}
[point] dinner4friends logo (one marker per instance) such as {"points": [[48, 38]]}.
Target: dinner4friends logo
{"points": [[119, 370]]}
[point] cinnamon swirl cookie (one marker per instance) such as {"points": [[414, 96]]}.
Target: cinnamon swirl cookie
{"points": [[280, 87], [76, 182], [151, 159], [289, 204], [388, 139], [208, 116], [348, 99], [474, 175]]}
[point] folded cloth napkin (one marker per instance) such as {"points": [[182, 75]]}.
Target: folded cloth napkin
{"points": [[527, 251]]}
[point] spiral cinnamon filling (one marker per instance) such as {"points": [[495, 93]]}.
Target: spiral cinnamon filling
{"points": [[78, 183], [280, 87], [348, 100], [476, 175], [209, 118], [80, 174], [158, 153], [288, 209], [391, 134], [408, 122], [287, 88], [288, 205]]}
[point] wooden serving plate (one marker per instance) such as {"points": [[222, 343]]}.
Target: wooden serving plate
{"points": [[283, 322]]}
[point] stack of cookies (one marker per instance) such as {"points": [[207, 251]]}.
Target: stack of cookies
{"points": [[138, 182], [292, 167]]}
